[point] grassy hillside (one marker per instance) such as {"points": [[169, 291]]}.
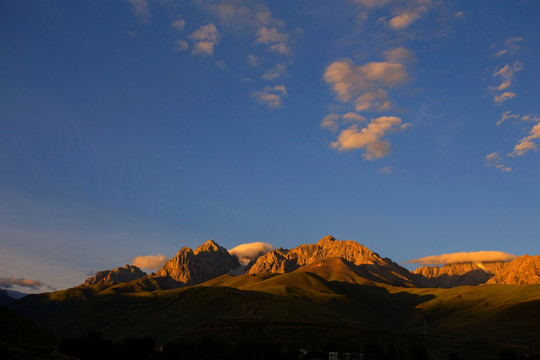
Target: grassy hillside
{"points": [[326, 306]]}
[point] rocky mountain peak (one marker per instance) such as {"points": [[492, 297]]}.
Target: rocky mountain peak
{"points": [[122, 274], [189, 267], [284, 261], [522, 270], [209, 245], [328, 239]]}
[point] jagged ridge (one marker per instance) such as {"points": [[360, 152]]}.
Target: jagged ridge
{"points": [[122, 274]]}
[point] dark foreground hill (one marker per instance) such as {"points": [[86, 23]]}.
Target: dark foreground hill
{"points": [[326, 303]]}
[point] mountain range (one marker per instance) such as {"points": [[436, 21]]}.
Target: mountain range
{"points": [[319, 296], [210, 260]]}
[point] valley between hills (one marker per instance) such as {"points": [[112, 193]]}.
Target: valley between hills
{"points": [[329, 296]]}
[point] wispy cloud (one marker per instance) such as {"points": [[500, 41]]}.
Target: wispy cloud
{"points": [[464, 257], [274, 72], [506, 74], [179, 24], [21, 282], [150, 262], [495, 160], [270, 96], [527, 143], [140, 9], [252, 60], [181, 45]]}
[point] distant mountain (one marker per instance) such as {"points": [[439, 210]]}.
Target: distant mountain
{"points": [[5, 299], [189, 267], [523, 270], [452, 275], [370, 264], [119, 275]]}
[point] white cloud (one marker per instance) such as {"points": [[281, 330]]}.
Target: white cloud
{"points": [[252, 60], [181, 45], [270, 96], [330, 122], [369, 138], [274, 72], [464, 257], [250, 251], [141, 10], [205, 38], [179, 24], [527, 144], [149, 262]]}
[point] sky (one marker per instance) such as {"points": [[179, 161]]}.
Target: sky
{"points": [[131, 128]]}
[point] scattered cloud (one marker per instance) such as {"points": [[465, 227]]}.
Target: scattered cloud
{"points": [[400, 55], [252, 60], [464, 257], [404, 19], [349, 80], [330, 122], [149, 262], [494, 159], [373, 3], [250, 251], [280, 48], [21, 282], [507, 95], [270, 96], [507, 115], [270, 35], [221, 64], [274, 72], [205, 38], [140, 9], [179, 24], [353, 117], [273, 37], [527, 144], [459, 15], [181, 45], [506, 74], [369, 138], [387, 170], [511, 45]]}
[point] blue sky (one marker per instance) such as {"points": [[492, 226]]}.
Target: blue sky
{"points": [[136, 127]]}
